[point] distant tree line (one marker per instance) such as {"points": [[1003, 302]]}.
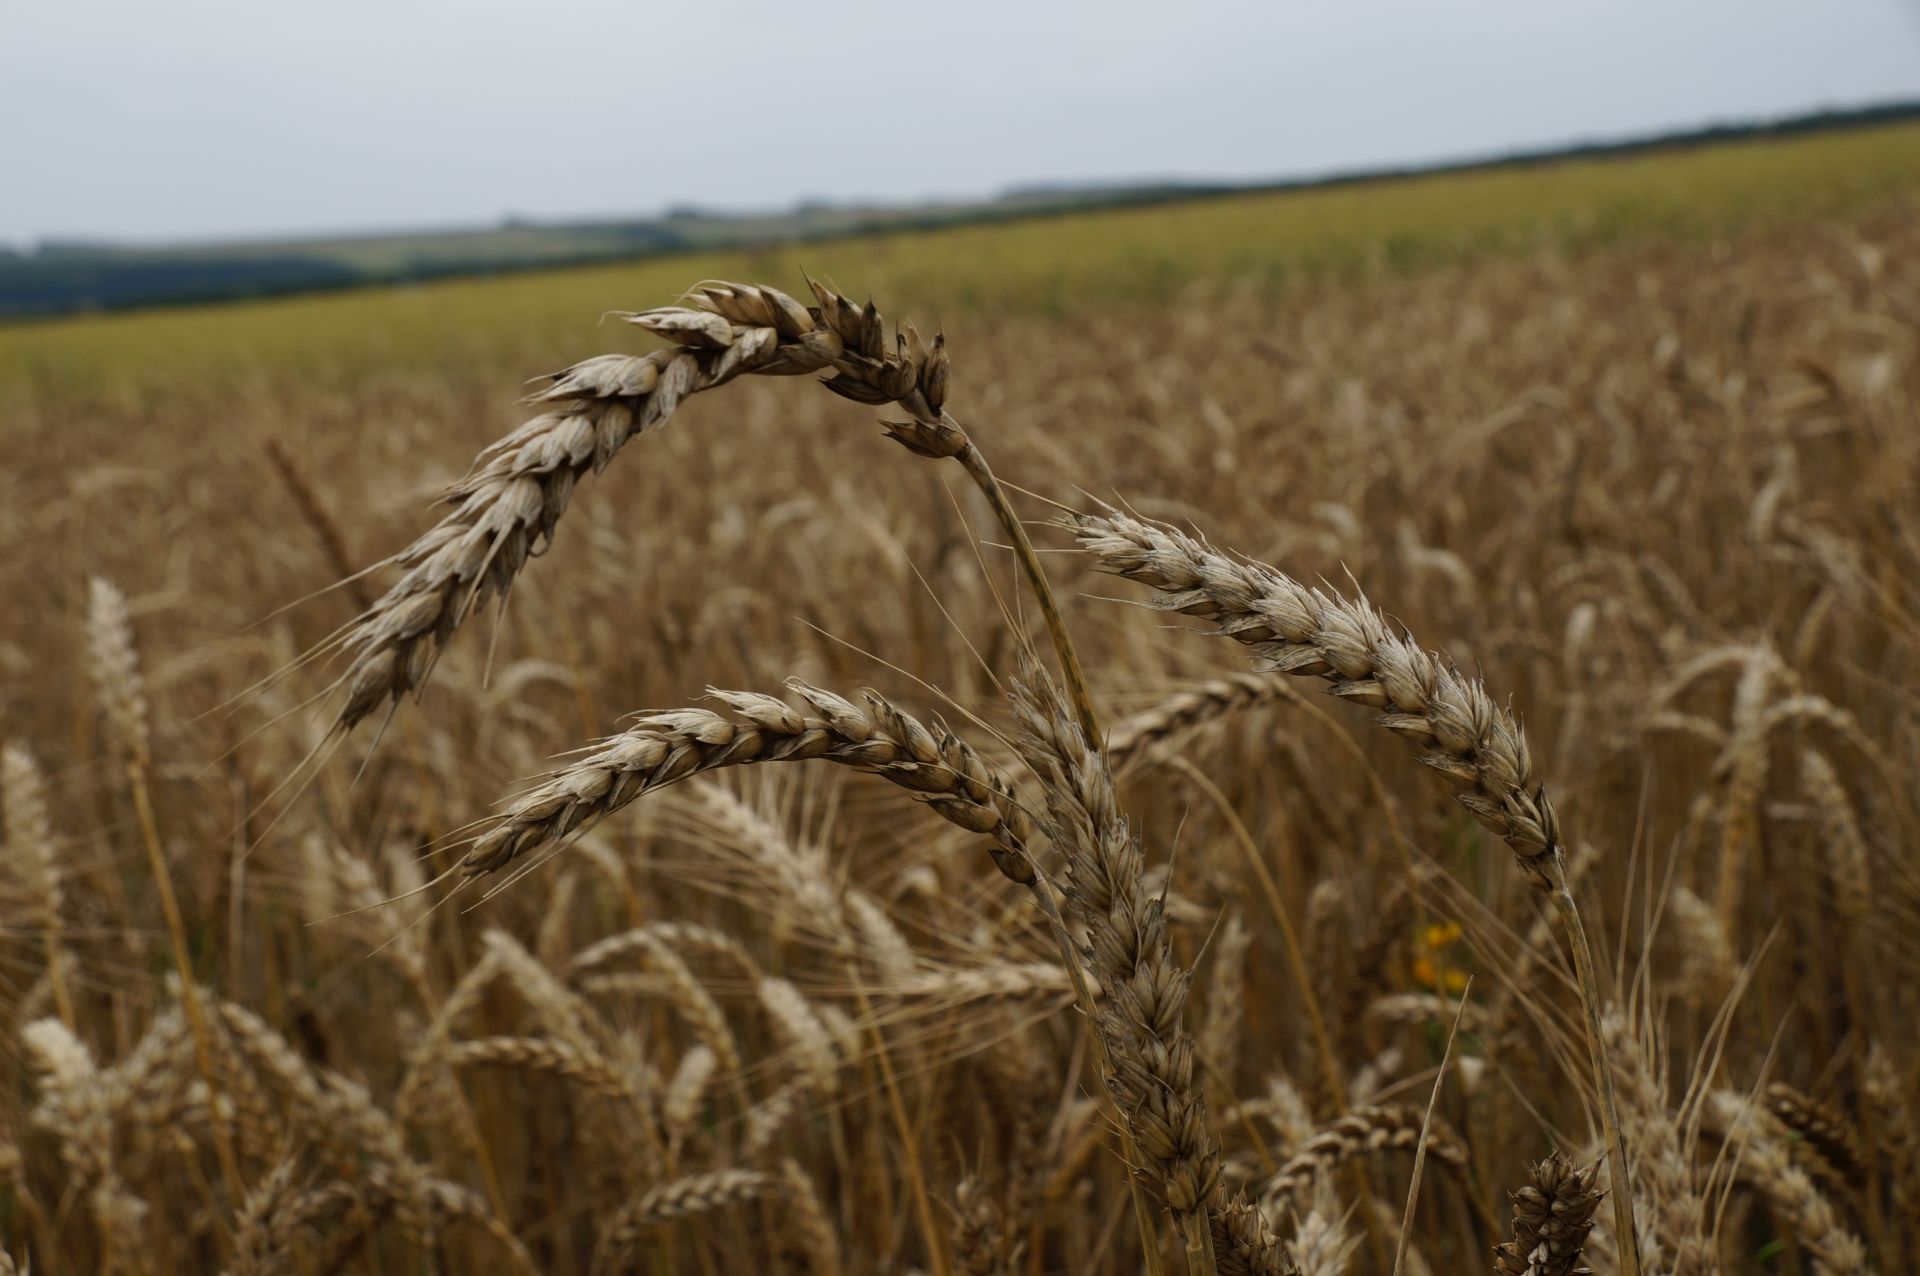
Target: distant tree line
{"points": [[59, 279]]}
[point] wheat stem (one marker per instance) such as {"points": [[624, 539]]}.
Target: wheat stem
{"points": [[1622, 1195], [189, 987], [976, 466]]}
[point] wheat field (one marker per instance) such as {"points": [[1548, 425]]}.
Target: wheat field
{"points": [[774, 879]]}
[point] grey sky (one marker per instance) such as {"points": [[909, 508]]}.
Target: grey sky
{"points": [[169, 119]]}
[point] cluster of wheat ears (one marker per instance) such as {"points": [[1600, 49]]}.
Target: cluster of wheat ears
{"points": [[772, 1017]]}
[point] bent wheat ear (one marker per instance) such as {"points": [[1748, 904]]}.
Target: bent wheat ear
{"points": [[512, 499], [935, 765]]}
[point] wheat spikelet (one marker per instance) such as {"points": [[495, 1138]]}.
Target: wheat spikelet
{"points": [[1244, 1244], [1321, 1245], [1707, 967], [880, 940], [511, 501], [28, 827], [765, 1121], [148, 1082], [426, 1089], [938, 769], [1552, 1215], [800, 869], [560, 1010], [340, 1116], [981, 1245], [669, 1202], [115, 665], [116, 672], [1226, 1014], [797, 1023], [75, 1104], [1422, 1008], [999, 981], [1848, 863], [1474, 744], [326, 528], [262, 1234], [1825, 1137], [1282, 1107], [1383, 1128], [694, 1004], [1896, 1135], [1744, 762], [807, 1219], [29, 841], [1678, 1216]]}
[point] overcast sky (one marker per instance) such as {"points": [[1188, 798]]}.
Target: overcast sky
{"points": [[177, 119]]}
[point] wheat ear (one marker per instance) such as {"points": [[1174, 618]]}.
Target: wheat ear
{"points": [[1761, 1143], [511, 501], [1149, 1056], [1552, 1215], [936, 766], [29, 839], [1476, 745]]}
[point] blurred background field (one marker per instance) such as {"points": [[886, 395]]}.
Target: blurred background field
{"points": [[1076, 262]]}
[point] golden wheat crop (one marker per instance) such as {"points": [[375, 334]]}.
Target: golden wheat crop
{"points": [[316, 956]]}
